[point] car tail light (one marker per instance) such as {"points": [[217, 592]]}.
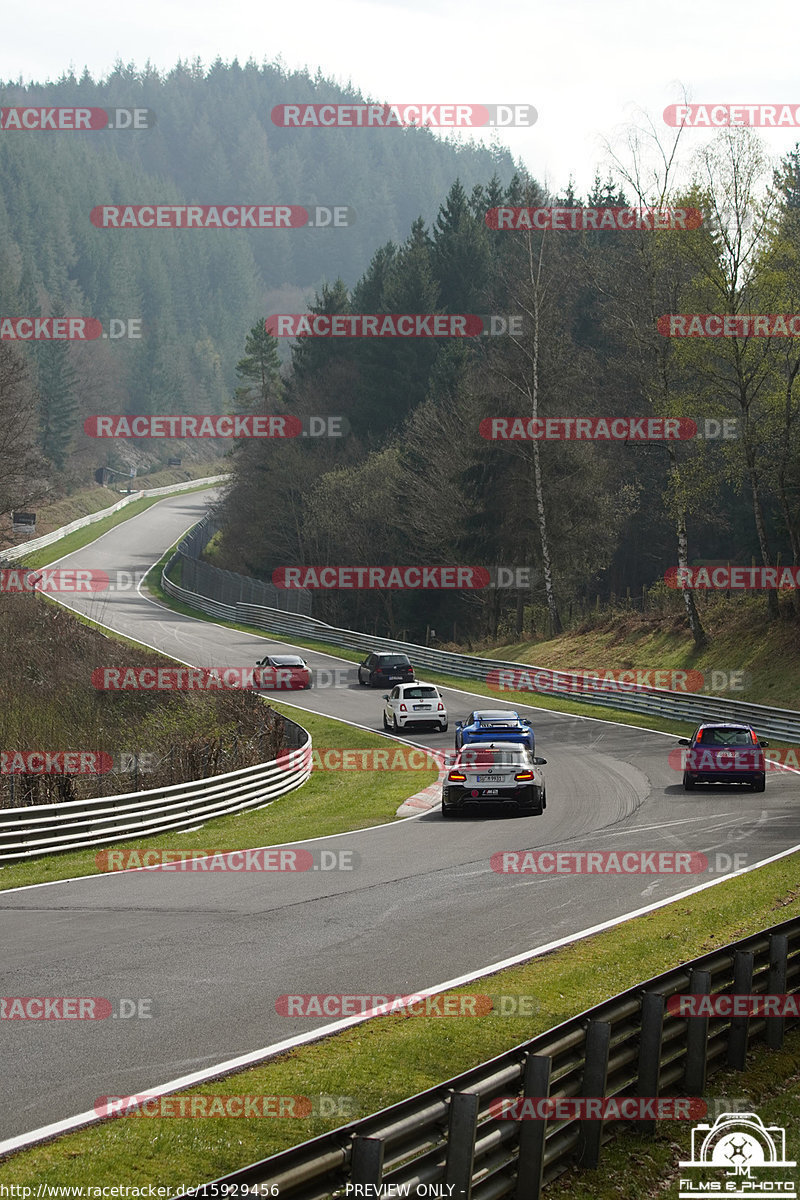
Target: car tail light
{"points": [[753, 736], [441, 708], [524, 775], [403, 708], [456, 777]]}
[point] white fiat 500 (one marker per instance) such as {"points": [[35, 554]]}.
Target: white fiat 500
{"points": [[414, 704]]}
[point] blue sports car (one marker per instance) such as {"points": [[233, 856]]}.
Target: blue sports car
{"points": [[488, 725]]}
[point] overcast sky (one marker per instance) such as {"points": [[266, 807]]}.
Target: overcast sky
{"points": [[589, 68]]}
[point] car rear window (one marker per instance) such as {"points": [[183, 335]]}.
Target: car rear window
{"points": [[420, 693], [393, 660], [712, 736], [483, 756]]}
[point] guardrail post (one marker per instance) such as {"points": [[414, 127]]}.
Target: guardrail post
{"points": [[650, 1038], [742, 986], [461, 1131], [530, 1163], [367, 1160], [595, 1074], [776, 985], [694, 1077]]}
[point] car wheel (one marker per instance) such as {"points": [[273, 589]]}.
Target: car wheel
{"points": [[395, 726], [443, 728], [385, 722], [446, 812], [544, 799], [760, 783], [688, 784], [360, 680]]}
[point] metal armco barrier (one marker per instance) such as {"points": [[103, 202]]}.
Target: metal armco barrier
{"points": [[782, 723], [221, 590], [14, 552], [627, 1046], [27, 833]]}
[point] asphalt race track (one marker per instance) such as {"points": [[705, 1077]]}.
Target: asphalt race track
{"points": [[214, 951]]}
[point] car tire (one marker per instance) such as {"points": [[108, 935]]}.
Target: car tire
{"points": [[544, 799], [360, 680], [443, 728], [447, 813], [688, 784], [385, 722], [760, 784], [395, 726]]}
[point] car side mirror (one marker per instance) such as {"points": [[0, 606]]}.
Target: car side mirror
{"points": [[684, 742], [386, 697], [540, 762], [763, 745], [459, 724]]}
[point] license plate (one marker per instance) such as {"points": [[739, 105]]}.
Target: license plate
{"points": [[489, 779], [490, 791], [394, 678], [422, 708]]}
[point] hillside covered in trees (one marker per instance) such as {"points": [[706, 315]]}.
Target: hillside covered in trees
{"points": [[417, 481], [194, 291]]}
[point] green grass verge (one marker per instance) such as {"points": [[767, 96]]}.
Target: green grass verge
{"points": [[82, 537], [330, 802], [637, 1165], [741, 637], [92, 499], [386, 1059]]}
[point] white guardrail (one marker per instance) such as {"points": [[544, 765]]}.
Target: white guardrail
{"points": [[781, 723], [39, 829], [12, 553]]}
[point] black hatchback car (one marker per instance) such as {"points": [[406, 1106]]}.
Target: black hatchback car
{"points": [[385, 667]]}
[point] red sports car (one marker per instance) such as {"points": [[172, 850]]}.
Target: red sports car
{"points": [[282, 672]]}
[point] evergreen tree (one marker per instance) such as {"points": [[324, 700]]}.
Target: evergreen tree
{"points": [[57, 397], [259, 370]]}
